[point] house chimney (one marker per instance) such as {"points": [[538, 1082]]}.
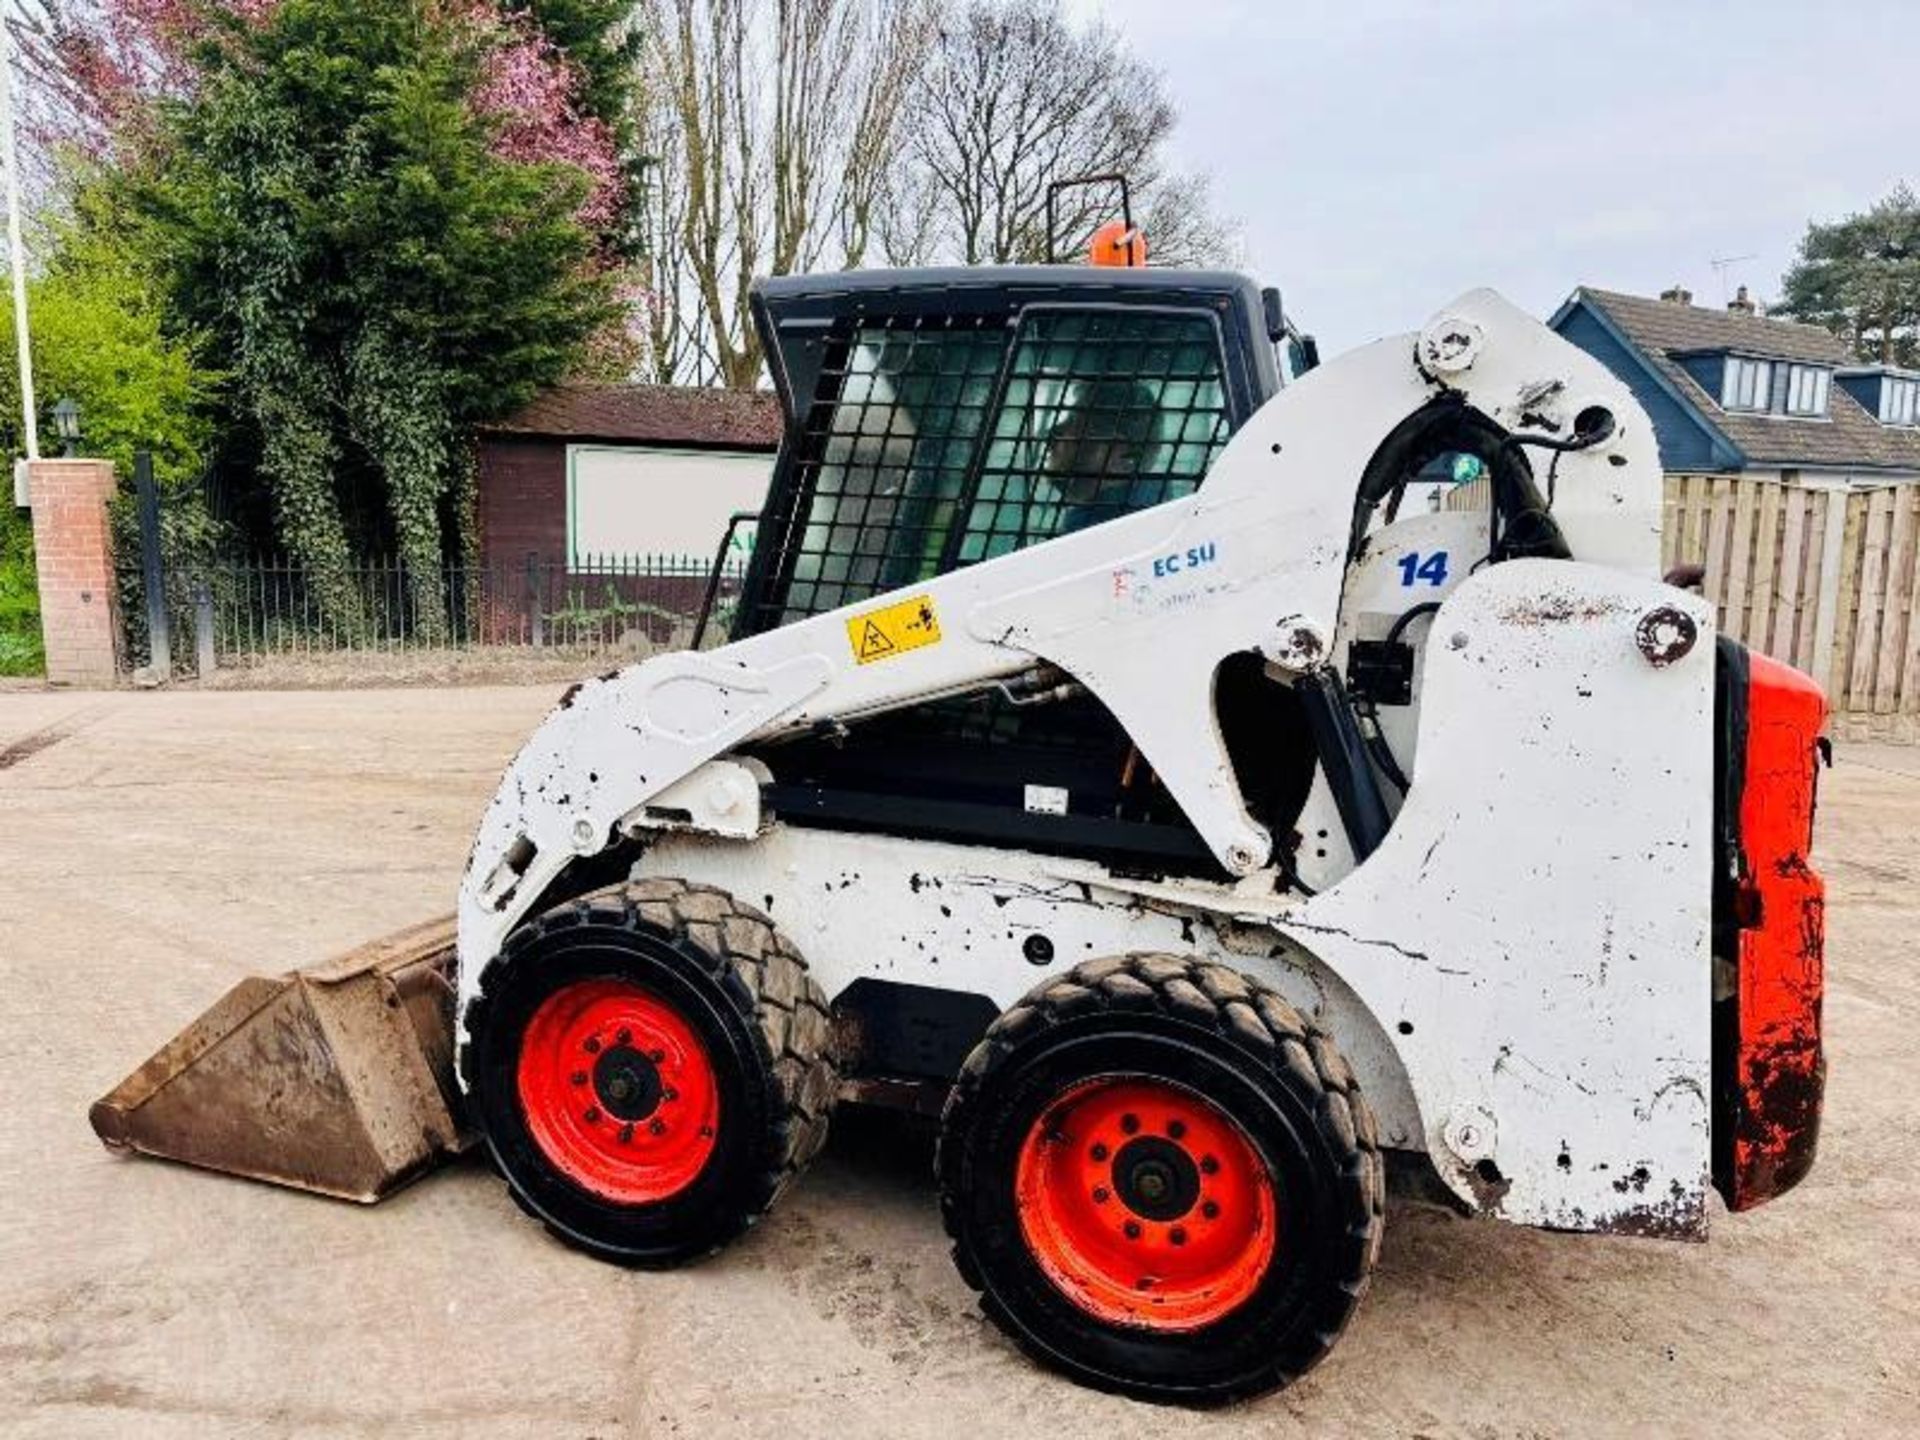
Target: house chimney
{"points": [[1678, 295], [1742, 303]]}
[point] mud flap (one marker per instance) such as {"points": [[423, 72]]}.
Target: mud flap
{"points": [[337, 1078]]}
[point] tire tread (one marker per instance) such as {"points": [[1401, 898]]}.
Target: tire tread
{"points": [[1237, 1008], [763, 976]]}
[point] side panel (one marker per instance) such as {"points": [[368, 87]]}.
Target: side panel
{"points": [[995, 923], [1534, 932], [1771, 1069]]}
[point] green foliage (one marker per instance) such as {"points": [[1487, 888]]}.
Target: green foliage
{"points": [[328, 208], [19, 599], [1860, 278], [100, 338], [579, 612]]}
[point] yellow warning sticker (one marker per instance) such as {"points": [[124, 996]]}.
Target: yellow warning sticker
{"points": [[883, 634]]}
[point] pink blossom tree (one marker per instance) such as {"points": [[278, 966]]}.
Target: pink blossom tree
{"points": [[532, 93], [92, 71]]}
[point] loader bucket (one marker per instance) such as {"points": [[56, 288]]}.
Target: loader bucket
{"points": [[337, 1078]]}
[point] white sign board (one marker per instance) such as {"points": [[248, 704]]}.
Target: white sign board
{"points": [[626, 501]]}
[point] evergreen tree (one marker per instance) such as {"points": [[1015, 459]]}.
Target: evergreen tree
{"points": [[334, 211], [1860, 278]]}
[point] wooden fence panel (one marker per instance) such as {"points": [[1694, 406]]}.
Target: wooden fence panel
{"points": [[1823, 578], [1766, 567], [1779, 639], [1846, 607], [1910, 647], [1734, 596], [1699, 495], [1894, 602], [1718, 523], [1868, 591]]}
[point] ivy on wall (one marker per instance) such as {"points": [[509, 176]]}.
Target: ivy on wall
{"points": [[332, 210]]}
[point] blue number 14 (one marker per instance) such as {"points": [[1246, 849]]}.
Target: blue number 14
{"points": [[1432, 570]]}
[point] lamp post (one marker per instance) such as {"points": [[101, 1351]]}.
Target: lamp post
{"points": [[66, 424], [17, 259]]}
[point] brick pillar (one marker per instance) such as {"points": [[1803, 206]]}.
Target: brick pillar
{"points": [[73, 551]]}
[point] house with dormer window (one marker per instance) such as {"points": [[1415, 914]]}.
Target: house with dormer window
{"points": [[1731, 391]]}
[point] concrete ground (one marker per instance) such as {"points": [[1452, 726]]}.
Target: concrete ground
{"points": [[155, 847]]}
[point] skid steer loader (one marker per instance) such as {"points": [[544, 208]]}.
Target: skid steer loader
{"points": [[1191, 783]]}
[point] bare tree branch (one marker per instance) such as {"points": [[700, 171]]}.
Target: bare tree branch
{"points": [[776, 144], [792, 135], [1014, 97]]}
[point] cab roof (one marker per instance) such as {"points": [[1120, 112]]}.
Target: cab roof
{"points": [[1092, 279]]}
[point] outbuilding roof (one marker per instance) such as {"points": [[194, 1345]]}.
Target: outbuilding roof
{"points": [[650, 414], [1847, 438]]}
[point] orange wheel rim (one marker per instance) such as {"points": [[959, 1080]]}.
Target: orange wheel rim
{"points": [[1146, 1204], [618, 1091]]}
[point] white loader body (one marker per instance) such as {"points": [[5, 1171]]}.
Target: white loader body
{"points": [[1519, 974]]}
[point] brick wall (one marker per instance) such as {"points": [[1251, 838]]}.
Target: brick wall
{"points": [[522, 500], [74, 554]]}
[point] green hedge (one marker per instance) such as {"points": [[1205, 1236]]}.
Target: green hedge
{"points": [[20, 652]]}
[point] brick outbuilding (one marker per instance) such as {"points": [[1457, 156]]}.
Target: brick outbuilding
{"points": [[621, 471]]}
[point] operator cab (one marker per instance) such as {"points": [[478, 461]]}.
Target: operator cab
{"points": [[936, 418]]}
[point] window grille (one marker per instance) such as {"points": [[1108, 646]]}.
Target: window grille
{"points": [[1103, 412], [883, 464]]}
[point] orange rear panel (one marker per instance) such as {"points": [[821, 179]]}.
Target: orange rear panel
{"points": [[1779, 1071]]}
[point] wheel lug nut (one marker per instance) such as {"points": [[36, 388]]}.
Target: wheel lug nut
{"points": [[706, 1132], [1100, 1195], [1177, 1235], [579, 1077], [656, 1056], [1209, 1165], [593, 1044], [1132, 1228], [1210, 1210], [593, 1115], [1099, 1151], [625, 1037], [658, 1127], [1176, 1128], [626, 1133], [667, 1092], [1129, 1123]]}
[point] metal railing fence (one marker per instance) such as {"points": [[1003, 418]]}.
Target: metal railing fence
{"points": [[233, 610]]}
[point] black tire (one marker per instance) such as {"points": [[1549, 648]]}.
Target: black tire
{"points": [[739, 985], [1216, 1033]]}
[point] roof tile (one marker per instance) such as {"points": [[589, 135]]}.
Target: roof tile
{"points": [[1848, 438], [656, 414]]}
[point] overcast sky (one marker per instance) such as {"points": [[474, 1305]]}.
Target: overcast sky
{"points": [[1383, 155]]}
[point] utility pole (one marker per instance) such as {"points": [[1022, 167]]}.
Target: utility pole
{"points": [[17, 256]]}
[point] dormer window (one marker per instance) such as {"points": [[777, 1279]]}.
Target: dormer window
{"points": [[1746, 384], [1899, 401], [1807, 389]]}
